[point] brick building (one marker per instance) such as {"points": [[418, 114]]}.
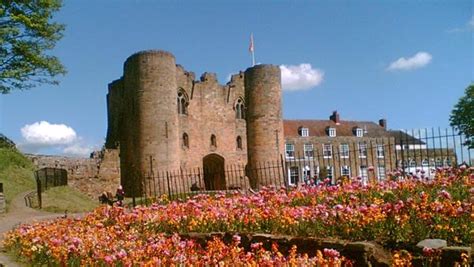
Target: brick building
{"points": [[340, 147]]}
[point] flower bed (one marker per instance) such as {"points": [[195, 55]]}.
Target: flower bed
{"points": [[394, 214]]}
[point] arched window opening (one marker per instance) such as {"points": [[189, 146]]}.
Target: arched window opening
{"points": [[240, 109], [239, 142], [185, 140], [182, 102], [213, 141]]}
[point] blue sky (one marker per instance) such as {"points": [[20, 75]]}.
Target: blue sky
{"points": [[406, 61]]}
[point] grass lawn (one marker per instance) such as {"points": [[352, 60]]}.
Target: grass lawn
{"points": [[61, 198], [16, 173]]}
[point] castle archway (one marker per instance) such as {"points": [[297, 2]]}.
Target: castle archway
{"points": [[214, 173]]}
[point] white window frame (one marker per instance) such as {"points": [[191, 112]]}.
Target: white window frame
{"points": [[359, 132], [447, 162], [344, 153], [307, 174], [364, 145], [330, 172], [308, 155], [380, 150], [381, 172], [293, 175], [425, 162], [348, 168], [327, 150], [332, 132], [364, 173], [287, 154], [304, 132]]}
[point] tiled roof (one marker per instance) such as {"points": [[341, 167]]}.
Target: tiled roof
{"points": [[405, 137], [344, 128]]}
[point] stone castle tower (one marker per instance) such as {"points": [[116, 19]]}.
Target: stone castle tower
{"points": [[161, 118]]}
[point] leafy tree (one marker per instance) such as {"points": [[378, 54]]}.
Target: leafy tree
{"points": [[27, 32], [462, 116]]}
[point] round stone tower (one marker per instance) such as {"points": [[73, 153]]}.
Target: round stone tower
{"points": [[152, 141], [265, 140]]}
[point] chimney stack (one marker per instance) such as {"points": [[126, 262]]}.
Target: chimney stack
{"points": [[335, 117], [383, 123]]}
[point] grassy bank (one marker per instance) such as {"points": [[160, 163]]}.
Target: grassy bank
{"points": [[61, 198], [16, 173]]}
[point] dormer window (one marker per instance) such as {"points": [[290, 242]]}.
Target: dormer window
{"points": [[359, 132], [303, 132], [332, 132]]}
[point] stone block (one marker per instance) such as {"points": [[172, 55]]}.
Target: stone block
{"points": [[432, 243]]}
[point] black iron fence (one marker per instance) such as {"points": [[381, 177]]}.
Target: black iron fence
{"points": [[185, 182], [47, 178], [316, 160]]}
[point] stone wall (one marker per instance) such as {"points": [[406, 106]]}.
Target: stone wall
{"points": [[92, 176]]}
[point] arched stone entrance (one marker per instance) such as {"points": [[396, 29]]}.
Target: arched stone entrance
{"points": [[214, 174]]}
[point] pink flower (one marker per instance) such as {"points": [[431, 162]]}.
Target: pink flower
{"points": [[108, 259], [256, 245], [332, 253], [236, 239], [444, 194]]}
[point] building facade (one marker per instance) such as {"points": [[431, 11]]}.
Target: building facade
{"points": [[335, 148]]}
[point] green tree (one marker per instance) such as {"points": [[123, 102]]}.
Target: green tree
{"points": [[462, 116], [27, 33]]}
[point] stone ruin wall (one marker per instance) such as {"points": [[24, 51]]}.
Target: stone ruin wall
{"points": [[92, 176]]}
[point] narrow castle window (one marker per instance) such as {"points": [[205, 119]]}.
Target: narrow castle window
{"points": [[182, 102], [239, 142], [185, 140], [213, 141], [240, 109]]}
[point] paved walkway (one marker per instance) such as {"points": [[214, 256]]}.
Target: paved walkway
{"points": [[19, 213]]}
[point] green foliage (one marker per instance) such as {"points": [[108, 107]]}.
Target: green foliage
{"points": [[16, 173], [26, 34], [462, 116]]}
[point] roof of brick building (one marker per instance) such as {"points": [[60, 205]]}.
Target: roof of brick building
{"points": [[343, 128]]}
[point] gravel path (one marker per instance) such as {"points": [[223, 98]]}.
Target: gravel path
{"points": [[19, 213]]}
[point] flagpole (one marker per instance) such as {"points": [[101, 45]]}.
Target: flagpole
{"points": [[253, 58]]}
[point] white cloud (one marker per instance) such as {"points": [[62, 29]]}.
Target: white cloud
{"points": [[468, 27], [78, 149], [300, 77], [61, 138], [44, 133], [419, 60]]}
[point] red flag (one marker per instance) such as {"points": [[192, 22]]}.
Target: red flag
{"points": [[251, 48]]}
